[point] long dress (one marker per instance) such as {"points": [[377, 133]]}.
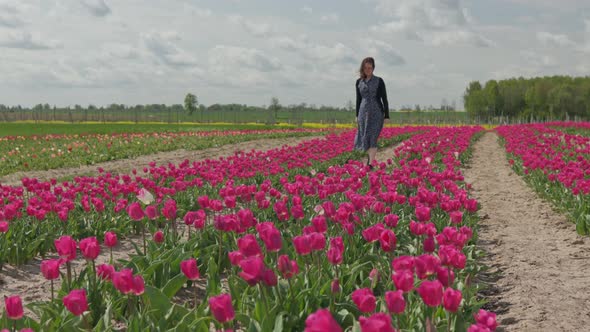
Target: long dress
{"points": [[370, 117]]}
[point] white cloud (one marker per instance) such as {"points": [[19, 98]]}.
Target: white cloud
{"points": [[163, 46], [233, 56], [97, 7], [538, 59], [25, 40], [307, 9], [551, 39], [324, 53], [257, 29], [330, 18], [385, 52], [435, 21], [120, 51]]}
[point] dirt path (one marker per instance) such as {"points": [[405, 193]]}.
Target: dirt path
{"points": [[538, 264], [161, 158]]}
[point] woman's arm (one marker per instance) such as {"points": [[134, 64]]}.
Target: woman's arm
{"points": [[358, 97], [384, 98]]}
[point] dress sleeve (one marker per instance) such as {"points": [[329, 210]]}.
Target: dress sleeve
{"points": [[384, 98], [358, 97]]}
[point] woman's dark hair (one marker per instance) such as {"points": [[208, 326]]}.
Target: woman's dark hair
{"points": [[366, 60]]}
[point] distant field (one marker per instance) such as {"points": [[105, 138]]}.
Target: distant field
{"points": [[232, 116]]}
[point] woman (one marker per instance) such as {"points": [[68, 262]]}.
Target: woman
{"points": [[372, 109]]}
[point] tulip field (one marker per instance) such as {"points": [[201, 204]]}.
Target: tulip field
{"points": [[297, 238], [556, 163]]}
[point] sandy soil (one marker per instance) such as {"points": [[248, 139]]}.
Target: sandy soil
{"points": [[161, 158], [538, 277]]}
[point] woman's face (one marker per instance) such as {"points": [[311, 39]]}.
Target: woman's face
{"points": [[368, 69]]}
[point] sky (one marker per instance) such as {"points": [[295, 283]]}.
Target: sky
{"points": [[67, 52]]}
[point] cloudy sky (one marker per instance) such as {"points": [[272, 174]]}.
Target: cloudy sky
{"points": [[67, 52]]}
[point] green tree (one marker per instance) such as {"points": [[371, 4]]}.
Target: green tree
{"points": [[190, 103]]}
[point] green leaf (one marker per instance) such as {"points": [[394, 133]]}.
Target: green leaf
{"points": [[174, 285], [155, 299], [279, 322]]}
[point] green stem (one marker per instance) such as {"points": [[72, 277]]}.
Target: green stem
{"points": [[52, 296], [69, 275], [111, 250], [143, 237], [196, 294]]}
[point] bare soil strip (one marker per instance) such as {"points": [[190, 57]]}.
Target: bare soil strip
{"points": [[161, 158], [539, 277]]}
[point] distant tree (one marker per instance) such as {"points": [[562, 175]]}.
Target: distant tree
{"points": [[190, 103]]}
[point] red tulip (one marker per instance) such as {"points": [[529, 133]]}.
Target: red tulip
{"points": [[478, 328], [388, 240], [66, 247], [151, 212], [431, 292], [403, 280], [221, 308], [403, 263], [248, 246], [302, 244], [321, 321], [190, 269], [90, 248], [451, 299], [288, 268], [423, 213], [50, 269], [4, 226], [429, 245], [319, 222], [138, 285], [443, 275], [123, 281], [270, 235], [169, 210], [380, 322], [110, 239], [391, 220], [76, 302], [426, 265], [252, 269], [456, 217], [364, 300], [371, 234], [396, 304], [318, 241], [269, 278], [487, 319], [335, 286], [235, 257], [158, 237], [105, 271], [14, 307], [135, 212]]}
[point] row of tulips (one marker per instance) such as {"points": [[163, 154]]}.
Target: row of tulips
{"points": [[399, 237], [556, 164], [169, 210], [24, 153], [41, 210]]}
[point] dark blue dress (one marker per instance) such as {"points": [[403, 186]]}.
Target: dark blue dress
{"points": [[370, 114]]}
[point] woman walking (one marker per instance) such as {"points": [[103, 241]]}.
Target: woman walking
{"points": [[372, 109]]}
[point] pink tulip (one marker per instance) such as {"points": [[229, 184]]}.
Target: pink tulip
{"points": [[379, 322], [90, 248], [221, 308], [287, 267], [451, 299], [321, 321], [431, 292], [110, 239], [76, 302], [50, 269], [14, 307], [248, 246], [123, 281], [190, 269], [487, 319], [403, 280], [364, 300], [105, 271], [66, 247], [135, 212], [169, 210], [252, 269], [159, 237], [396, 304]]}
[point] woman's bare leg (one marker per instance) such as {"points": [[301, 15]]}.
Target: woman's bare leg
{"points": [[372, 153]]}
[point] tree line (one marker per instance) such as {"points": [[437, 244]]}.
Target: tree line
{"points": [[539, 98]]}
